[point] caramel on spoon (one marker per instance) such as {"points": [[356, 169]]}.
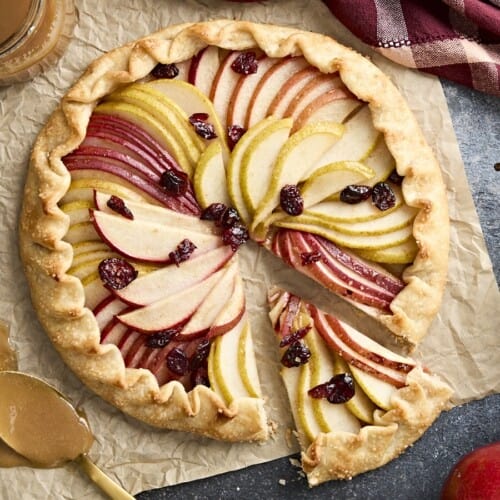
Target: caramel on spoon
{"points": [[39, 427]]}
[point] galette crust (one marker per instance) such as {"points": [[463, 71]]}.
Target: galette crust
{"points": [[59, 298]]}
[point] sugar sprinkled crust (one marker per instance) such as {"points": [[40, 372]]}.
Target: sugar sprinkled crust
{"points": [[59, 298]]}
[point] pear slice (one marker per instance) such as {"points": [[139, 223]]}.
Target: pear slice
{"points": [[357, 142], [330, 417], [332, 178], [258, 161], [234, 168], [191, 100], [359, 241], [247, 364], [404, 253], [379, 391], [210, 176], [295, 162], [152, 126], [360, 405]]}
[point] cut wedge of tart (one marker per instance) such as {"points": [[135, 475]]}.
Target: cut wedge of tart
{"points": [[356, 404], [170, 153]]}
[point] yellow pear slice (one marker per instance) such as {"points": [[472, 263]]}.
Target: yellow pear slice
{"points": [[379, 391], [295, 162], [258, 161], [360, 405], [210, 177], [191, 100], [332, 178], [361, 241], [330, 417], [235, 164], [357, 142], [247, 364], [155, 128], [305, 404], [404, 253]]}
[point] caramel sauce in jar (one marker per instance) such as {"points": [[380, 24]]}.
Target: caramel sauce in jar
{"points": [[33, 35]]}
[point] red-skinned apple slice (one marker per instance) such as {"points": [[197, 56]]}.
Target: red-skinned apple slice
{"points": [[174, 310], [269, 85], [147, 241], [173, 279], [219, 297], [231, 313], [107, 309], [324, 324], [203, 68]]}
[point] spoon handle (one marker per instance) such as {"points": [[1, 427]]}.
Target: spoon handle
{"points": [[104, 482]]}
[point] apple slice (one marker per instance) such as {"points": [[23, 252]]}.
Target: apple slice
{"points": [[191, 100], [258, 161], [357, 142], [214, 303], [294, 163], [152, 213], [331, 179], [95, 292], [243, 91], [330, 417], [360, 405], [107, 309], [173, 279], [274, 79], [203, 68], [148, 241], [335, 105], [172, 311], [210, 177]]}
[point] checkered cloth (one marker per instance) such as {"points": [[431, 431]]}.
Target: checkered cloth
{"points": [[455, 39]]}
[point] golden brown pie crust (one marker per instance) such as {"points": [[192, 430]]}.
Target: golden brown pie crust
{"points": [[59, 298]]}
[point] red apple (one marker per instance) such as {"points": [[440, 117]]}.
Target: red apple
{"points": [[475, 476]]}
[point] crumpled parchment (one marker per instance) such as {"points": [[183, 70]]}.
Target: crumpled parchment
{"points": [[462, 344]]}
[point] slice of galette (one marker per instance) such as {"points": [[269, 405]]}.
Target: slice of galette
{"points": [[356, 404], [166, 156]]}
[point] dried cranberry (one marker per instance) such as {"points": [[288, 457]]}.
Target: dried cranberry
{"points": [[116, 273], [245, 63], [229, 218], [165, 71], [295, 336], [297, 354], [291, 200], [201, 127], [339, 389], [118, 205], [235, 236], [213, 212], [383, 196], [234, 134], [200, 355], [355, 194], [174, 182], [309, 258], [395, 178], [177, 361], [182, 252], [161, 339]]}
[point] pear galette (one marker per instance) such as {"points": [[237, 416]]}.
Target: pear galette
{"points": [[170, 153]]}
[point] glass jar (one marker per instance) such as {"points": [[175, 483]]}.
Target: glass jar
{"points": [[33, 35]]}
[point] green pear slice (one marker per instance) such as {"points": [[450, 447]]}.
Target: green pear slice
{"points": [[330, 417], [381, 161], [235, 164], [373, 241], [379, 391], [357, 142], [360, 405], [305, 404], [82, 231], [247, 364], [210, 177], [295, 162], [154, 127], [332, 178], [404, 253], [258, 161], [191, 100]]}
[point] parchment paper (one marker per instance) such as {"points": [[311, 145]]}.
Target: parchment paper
{"points": [[462, 344]]}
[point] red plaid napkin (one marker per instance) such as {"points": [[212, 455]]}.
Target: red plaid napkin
{"points": [[455, 39]]}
